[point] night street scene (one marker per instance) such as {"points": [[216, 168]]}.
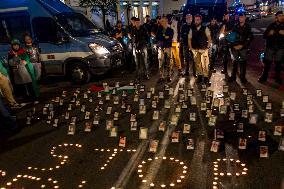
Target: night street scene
{"points": [[125, 94]]}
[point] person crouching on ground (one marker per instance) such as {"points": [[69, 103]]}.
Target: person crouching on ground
{"points": [[22, 72]]}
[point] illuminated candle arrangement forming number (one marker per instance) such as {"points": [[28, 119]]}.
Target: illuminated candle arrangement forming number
{"points": [[217, 174], [170, 159], [63, 159]]}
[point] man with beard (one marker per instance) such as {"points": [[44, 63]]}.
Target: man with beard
{"points": [[214, 32], [199, 43], [239, 48], [274, 49], [185, 58]]}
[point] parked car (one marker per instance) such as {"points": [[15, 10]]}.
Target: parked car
{"points": [[69, 43], [264, 14], [250, 17], [256, 14]]}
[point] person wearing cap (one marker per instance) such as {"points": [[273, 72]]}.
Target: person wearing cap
{"points": [[175, 55], [274, 49], [199, 43], [23, 75], [164, 43], [185, 28], [239, 48], [214, 32], [5, 85], [34, 55], [226, 27], [140, 41]]}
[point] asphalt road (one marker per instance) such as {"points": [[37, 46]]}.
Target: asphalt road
{"points": [[44, 156]]}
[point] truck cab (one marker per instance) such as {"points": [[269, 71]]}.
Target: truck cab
{"points": [[69, 43]]}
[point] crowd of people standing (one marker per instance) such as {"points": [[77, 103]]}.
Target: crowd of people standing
{"points": [[19, 75], [192, 46]]}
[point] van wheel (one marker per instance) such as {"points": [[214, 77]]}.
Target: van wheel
{"points": [[79, 73]]}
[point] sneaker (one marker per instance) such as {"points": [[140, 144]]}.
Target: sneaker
{"points": [[244, 80], [231, 79], [199, 79], [161, 80], [278, 81], [262, 79], [206, 80], [213, 70], [16, 106]]}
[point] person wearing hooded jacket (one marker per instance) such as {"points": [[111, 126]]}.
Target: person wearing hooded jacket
{"points": [[22, 72]]}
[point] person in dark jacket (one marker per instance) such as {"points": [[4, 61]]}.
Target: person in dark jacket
{"points": [[164, 39], [214, 32], [274, 49], [226, 27], [22, 72], [185, 52], [140, 41], [239, 48], [199, 43]]}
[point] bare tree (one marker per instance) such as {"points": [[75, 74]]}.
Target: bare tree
{"points": [[105, 7]]}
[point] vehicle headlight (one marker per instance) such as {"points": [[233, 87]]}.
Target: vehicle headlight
{"points": [[98, 49], [221, 36]]}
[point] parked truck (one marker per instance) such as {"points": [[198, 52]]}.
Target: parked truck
{"points": [[206, 8], [69, 43]]}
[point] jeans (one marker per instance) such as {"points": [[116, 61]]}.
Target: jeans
{"points": [[164, 56], [141, 60], [239, 58]]}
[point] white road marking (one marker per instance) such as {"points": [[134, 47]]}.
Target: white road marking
{"points": [[154, 167], [136, 158]]}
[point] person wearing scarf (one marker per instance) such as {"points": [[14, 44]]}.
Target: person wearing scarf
{"points": [[5, 85], [34, 55], [23, 75]]}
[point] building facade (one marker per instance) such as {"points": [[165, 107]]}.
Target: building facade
{"points": [[129, 8]]}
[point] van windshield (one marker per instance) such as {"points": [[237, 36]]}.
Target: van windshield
{"points": [[77, 24]]}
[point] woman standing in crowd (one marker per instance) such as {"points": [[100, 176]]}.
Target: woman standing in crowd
{"points": [[22, 72]]}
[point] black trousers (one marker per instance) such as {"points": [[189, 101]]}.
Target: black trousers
{"points": [[243, 69], [26, 91], [186, 58]]}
